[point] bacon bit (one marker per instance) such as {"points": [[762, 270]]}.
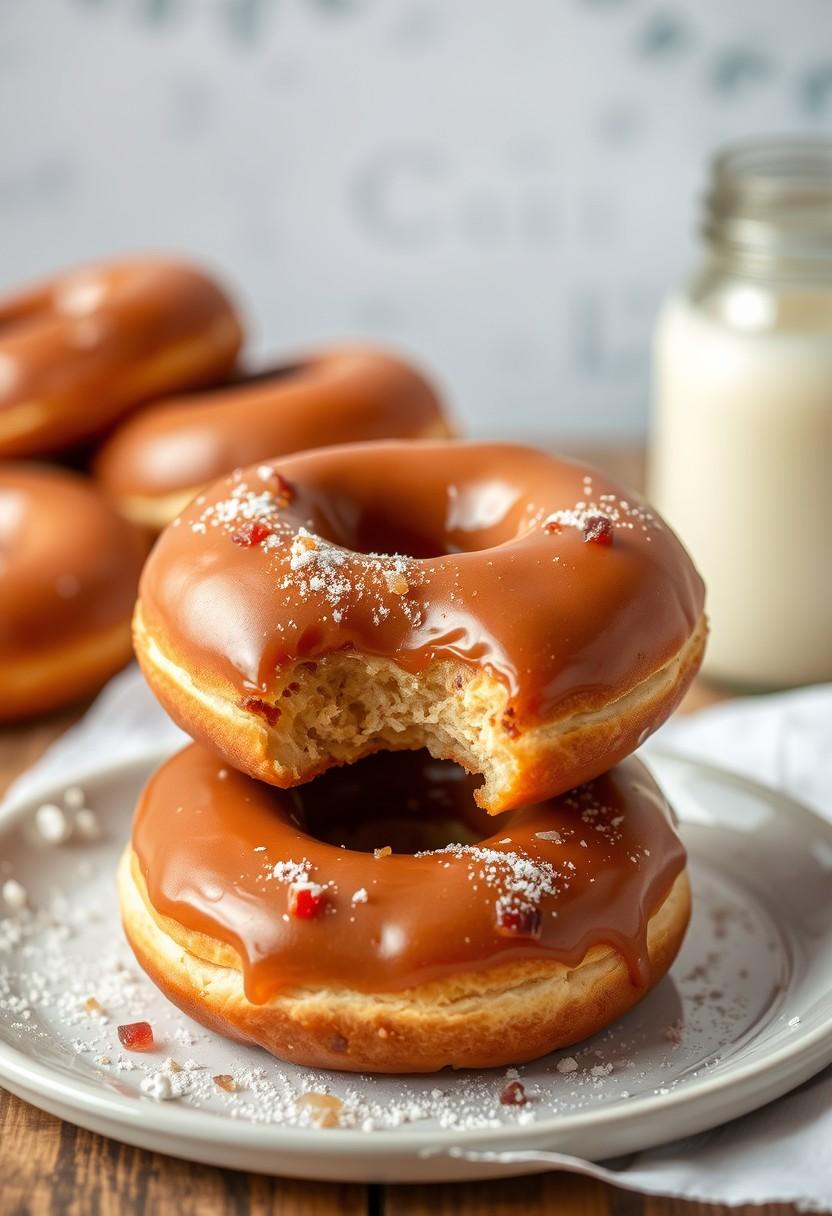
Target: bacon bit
{"points": [[519, 922], [303, 543], [225, 1081], [598, 530], [306, 900], [251, 533], [284, 491], [458, 682], [509, 725], [93, 1006], [554, 836], [397, 584], [552, 526], [513, 1095], [324, 1109], [136, 1036], [264, 709], [384, 852]]}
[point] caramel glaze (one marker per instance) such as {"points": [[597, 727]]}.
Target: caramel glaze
{"points": [[69, 565], [560, 621], [207, 840], [81, 348], [341, 395]]}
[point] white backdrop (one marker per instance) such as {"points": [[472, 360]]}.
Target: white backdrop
{"points": [[504, 187]]}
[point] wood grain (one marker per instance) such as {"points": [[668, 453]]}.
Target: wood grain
{"points": [[48, 1166], [561, 1194], [51, 1168]]}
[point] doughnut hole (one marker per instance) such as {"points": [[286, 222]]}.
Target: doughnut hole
{"points": [[406, 802], [436, 521]]}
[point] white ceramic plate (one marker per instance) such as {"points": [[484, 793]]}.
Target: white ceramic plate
{"points": [[745, 1015]]}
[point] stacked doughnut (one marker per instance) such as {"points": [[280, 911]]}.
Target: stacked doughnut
{"points": [[128, 371], [410, 832]]}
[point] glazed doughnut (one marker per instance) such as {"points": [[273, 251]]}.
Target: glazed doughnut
{"points": [[69, 569], [241, 904], [537, 624], [159, 459], [80, 349]]}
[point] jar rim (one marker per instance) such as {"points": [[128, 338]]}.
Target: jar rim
{"points": [[782, 166], [772, 198]]}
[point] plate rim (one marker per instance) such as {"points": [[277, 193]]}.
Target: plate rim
{"points": [[794, 1061]]}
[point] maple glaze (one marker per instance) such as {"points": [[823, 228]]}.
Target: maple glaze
{"points": [[207, 840], [499, 572]]}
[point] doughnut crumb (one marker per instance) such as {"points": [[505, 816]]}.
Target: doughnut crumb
{"points": [[323, 1110]]}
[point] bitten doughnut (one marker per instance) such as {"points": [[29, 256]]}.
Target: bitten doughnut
{"points": [[242, 906], [80, 349], [509, 610], [159, 459], [69, 570]]}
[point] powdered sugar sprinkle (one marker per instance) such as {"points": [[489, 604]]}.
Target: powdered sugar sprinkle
{"points": [[309, 564]]}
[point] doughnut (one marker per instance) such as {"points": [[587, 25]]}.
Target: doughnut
{"points": [[507, 609], [69, 570], [80, 349], [282, 917], [159, 459]]}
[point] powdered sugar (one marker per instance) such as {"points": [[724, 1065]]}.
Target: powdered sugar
{"points": [[519, 882], [242, 505], [619, 511], [290, 872], [339, 577], [309, 564]]}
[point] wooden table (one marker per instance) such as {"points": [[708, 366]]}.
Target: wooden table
{"points": [[48, 1166]]}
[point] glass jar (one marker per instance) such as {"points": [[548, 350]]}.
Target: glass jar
{"points": [[741, 441]]}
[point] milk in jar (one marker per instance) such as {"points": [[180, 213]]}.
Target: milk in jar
{"points": [[741, 439]]}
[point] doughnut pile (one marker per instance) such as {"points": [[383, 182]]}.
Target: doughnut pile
{"points": [[410, 832], [128, 371]]}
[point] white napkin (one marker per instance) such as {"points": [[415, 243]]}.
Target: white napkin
{"points": [[780, 1154]]}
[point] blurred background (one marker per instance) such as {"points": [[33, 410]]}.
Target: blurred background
{"points": [[506, 190]]}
